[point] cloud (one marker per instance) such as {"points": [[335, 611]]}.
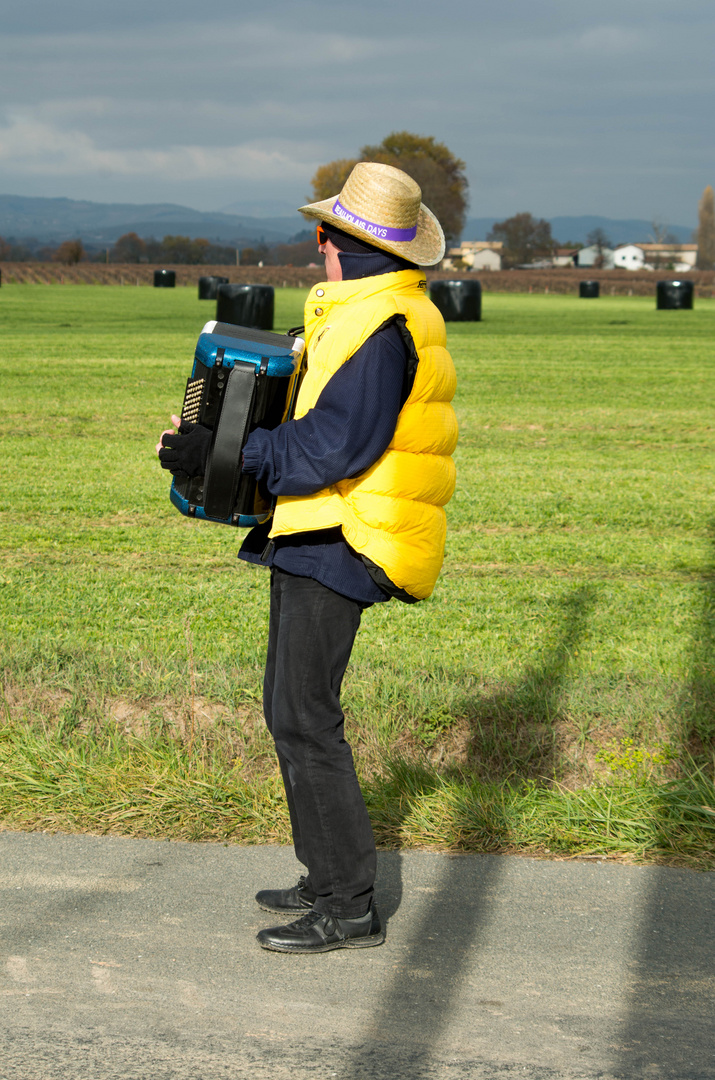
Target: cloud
{"points": [[555, 106], [33, 146], [614, 40]]}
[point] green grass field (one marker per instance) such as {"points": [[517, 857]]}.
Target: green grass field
{"points": [[555, 694]]}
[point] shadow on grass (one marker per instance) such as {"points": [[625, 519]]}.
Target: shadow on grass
{"points": [[698, 703], [514, 729]]}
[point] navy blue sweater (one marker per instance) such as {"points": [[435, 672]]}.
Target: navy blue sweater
{"points": [[349, 428]]}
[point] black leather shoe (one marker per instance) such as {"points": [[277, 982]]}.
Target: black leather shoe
{"points": [[316, 933], [299, 898]]}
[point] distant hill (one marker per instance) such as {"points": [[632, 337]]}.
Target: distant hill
{"points": [[576, 229], [54, 220]]}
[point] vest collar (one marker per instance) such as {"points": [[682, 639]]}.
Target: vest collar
{"points": [[326, 293]]}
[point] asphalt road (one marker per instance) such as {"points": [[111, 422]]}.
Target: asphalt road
{"points": [[136, 960]]}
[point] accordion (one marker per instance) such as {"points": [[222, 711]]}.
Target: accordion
{"points": [[241, 379]]}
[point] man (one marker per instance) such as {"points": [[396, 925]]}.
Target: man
{"points": [[361, 475]]}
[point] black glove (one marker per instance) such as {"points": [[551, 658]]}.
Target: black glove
{"points": [[186, 452]]}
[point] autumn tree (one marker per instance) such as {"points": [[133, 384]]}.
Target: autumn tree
{"points": [[10, 252], [299, 253], [525, 238], [439, 173], [706, 230], [255, 256], [129, 248], [329, 179], [70, 252], [182, 250]]}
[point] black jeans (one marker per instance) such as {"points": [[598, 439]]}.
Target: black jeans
{"points": [[311, 635]]}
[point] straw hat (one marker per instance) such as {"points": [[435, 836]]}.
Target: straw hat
{"points": [[383, 205]]}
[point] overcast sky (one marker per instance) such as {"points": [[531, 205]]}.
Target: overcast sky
{"points": [[556, 106]]}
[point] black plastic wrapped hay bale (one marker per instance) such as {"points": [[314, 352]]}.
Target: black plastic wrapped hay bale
{"points": [[246, 305], [457, 300], [164, 279], [208, 286], [674, 295], [589, 290]]}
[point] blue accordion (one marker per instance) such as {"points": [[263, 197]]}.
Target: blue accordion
{"points": [[241, 379]]}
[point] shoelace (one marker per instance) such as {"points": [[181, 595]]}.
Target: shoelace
{"points": [[308, 920]]}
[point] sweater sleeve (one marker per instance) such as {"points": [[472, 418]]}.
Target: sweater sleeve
{"points": [[347, 430]]}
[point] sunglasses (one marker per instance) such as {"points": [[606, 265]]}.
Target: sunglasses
{"points": [[322, 235]]}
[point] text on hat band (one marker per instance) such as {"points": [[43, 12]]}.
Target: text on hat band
{"points": [[382, 232]]}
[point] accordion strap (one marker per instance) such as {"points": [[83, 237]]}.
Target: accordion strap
{"points": [[224, 467]]}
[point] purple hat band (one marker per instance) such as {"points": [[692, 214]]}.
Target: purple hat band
{"points": [[380, 232]]}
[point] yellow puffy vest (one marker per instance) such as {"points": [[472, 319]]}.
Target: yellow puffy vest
{"points": [[392, 513]]}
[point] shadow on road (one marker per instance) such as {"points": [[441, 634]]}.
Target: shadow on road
{"points": [[429, 976]]}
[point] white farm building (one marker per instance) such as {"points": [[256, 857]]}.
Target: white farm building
{"points": [[593, 256], [629, 257], [679, 257]]}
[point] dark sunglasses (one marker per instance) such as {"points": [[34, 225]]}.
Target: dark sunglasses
{"points": [[322, 235]]}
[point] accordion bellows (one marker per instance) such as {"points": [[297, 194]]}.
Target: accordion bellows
{"points": [[241, 379]]}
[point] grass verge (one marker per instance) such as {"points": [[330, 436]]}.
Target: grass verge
{"points": [[555, 695]]}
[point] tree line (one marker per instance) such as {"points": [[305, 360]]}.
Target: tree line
{"points": [[129, 248], [175, 250], [527, 239]]}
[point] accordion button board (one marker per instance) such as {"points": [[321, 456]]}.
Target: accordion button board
{"points": [[191, 410], [241, 379]]}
